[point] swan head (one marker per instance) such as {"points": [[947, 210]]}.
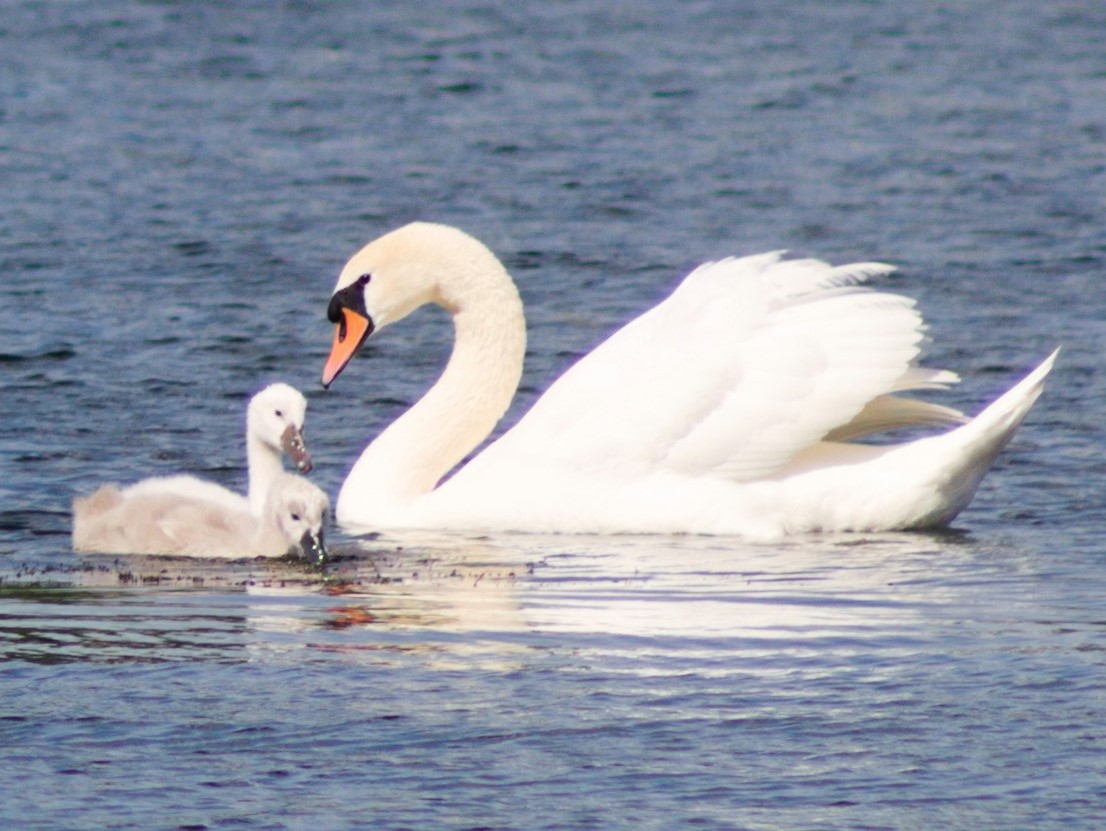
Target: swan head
{"points": [[300, 510], [395, 274], [276, 416]]}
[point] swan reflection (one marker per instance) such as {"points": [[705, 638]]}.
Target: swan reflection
{"points": [[458, 598]]}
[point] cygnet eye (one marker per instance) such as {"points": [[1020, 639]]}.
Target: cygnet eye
{"points": [[295, 517], [279, 414]]}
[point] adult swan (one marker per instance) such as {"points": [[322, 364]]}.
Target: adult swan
{"points": [[730, 407]]}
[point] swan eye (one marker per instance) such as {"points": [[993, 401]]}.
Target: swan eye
{"points": [[363, 280], [278, 414], [295, 517]]}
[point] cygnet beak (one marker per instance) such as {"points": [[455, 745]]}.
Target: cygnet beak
{"points": [[313, 548], [292, 443]]}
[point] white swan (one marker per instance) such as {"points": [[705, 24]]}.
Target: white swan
{"points": [[114, 521], [728, 408], [274, 423]]}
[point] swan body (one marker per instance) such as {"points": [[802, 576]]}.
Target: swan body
{"points": [[274, 425], [114, 521], [732, 407]]}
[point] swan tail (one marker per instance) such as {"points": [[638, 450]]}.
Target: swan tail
{"points": [[993, 428], [102, 500], [970, 450], [88, 515]]}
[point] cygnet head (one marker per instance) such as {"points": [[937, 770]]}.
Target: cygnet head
{"points": [[299, 510], [275, 416]]}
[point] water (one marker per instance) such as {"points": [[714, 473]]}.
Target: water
{"points": [[182, 182]]}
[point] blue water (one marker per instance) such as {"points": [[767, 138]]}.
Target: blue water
{"points": [[182, 182]]}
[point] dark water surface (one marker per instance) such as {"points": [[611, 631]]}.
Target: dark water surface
{"points": [[182, 182]]}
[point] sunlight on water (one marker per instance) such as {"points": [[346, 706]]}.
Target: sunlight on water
{"points": [[806, 592]]}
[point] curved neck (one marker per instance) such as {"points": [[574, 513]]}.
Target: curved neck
{"points": [[411, 456], [264, 466]]}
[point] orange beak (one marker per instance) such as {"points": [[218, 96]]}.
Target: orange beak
{"points": [[350, 333]]}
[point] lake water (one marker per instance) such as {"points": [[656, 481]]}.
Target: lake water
{"points": [[182, 182]]}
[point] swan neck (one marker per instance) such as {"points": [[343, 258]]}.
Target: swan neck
{"points": [[411, 456]]}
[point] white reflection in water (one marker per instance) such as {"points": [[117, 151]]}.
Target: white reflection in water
{"points": [[654, 586], [463, 597]]}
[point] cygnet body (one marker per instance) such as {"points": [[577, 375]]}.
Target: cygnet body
{"points": [[114, 521]]}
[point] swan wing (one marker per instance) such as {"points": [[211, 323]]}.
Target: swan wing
{"points": [[746, 364]]}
